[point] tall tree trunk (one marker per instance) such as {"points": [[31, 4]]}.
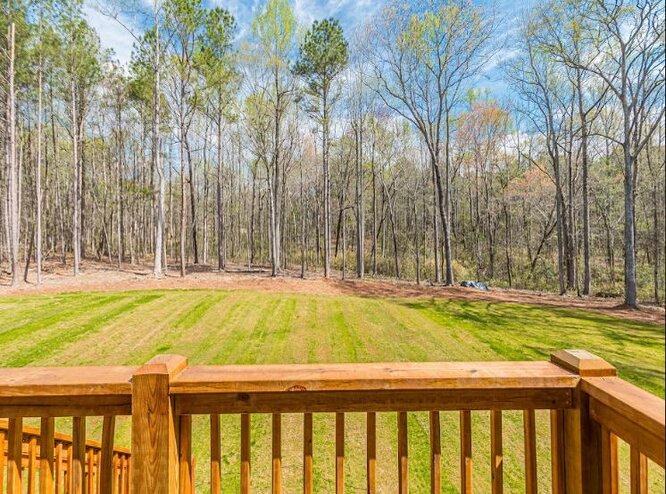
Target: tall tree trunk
{"points": [[360, 205], [12, 165], [76, 191], [374, 212], [195, 243], [435, 228], [587, 273], [445, 207], [630, 289], [38, 178], [183, 202], [327, 191], [444, 219], [156, 153], [417, 248], [221, 234]]}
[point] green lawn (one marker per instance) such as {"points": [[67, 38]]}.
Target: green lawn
{"points": [[231, 327]]}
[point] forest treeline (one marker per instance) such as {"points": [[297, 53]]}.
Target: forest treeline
{"points": [[373, 152]]}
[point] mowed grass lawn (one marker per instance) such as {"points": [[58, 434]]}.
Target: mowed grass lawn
{"points": [[245, 327]]}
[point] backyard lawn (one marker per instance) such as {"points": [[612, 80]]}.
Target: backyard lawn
{"points": [[244, 326]]}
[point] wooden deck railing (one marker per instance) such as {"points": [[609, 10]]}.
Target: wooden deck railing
{"points": [[590, 409], [43, 445]]}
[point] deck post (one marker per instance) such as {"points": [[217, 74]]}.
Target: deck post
{"points": [[580, 435], [154, 426]]}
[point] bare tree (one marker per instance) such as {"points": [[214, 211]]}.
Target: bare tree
{"points": [[422, 56]]}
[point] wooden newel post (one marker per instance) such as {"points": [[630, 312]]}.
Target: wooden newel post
{"points": [[577, 456], [154, 426]]}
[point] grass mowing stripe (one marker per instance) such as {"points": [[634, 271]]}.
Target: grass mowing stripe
{"points": [[196, 313], [56, 342], [44, 323]]}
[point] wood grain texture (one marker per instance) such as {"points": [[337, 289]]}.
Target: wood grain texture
{"points": [[371, 452], [59, 469], [90, 471], [124, 478], [639, 472], [557, 457], [215, 454], [583, 363], [15, 456], [185, 454], [78, 458], [496, 452], [3, 446], [276, 474], [609, 462], [466, 452], [376, 401], [32, 465], [340, 453], [308, 480], [65, 381], [529, 436], [635, 409], [630, 430], [245, 454], [154, 429], [46, 456], [403, 454], [106, 455], [435, 453], [371, 377]]}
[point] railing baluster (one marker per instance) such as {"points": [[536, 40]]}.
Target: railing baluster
{"points": [[46, 452], [105, 466], [609, 465], [78, 454], [529, 432], [90, 467], [192, 479], [3, 440], [129, 475], [435, 454], [340, 453], [32, 464], [114, 478], [98, 470], [496, 452], [245, 453], [15, 456], [307, 454], [215, 454], [185, 454], [465, 452], [639, 472], [277, 453], [403, 458], [69, 485], [123, 476], [58, 481], [371, 454], [557, 451]]}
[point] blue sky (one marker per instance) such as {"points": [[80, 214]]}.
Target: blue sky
{"points": [[351, 13]]}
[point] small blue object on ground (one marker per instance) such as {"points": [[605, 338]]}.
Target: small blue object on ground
{"points": [[475, 284]]}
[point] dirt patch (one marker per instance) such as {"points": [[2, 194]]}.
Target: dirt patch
{"points": [[98, 276]]}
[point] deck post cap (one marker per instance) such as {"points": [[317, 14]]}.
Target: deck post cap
{"points": [[583, 363]]}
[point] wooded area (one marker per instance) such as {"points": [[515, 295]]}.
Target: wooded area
{"points": [[369, 152]]}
